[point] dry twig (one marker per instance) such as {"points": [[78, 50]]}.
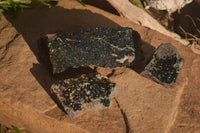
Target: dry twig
{"points": [[193, 39]]}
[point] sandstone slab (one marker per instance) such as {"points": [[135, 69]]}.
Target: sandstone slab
{"points": [[24, 83]]}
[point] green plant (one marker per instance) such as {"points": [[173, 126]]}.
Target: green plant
{"points": [[4, 129], [6, 5], [16, 129], [137, 3], [15, 5]]}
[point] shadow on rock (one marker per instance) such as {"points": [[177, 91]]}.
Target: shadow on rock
{"points": [[36, 23], [46, 79], [148, 51]]}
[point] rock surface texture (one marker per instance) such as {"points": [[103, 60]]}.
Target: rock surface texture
{"points": [[171, 6], [141, 106], [91, 91], [165, 65], [104, 47]]}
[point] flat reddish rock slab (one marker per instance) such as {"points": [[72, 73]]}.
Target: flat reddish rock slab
{"points": [[24, 83], [148, 106], [24, 98]]}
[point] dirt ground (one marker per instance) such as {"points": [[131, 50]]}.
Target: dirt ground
{"points": [[22, 74]]}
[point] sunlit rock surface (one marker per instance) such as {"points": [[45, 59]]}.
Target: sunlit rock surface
{"points": [[104, 47], [171, 6], [87, 92], [165, 65]]}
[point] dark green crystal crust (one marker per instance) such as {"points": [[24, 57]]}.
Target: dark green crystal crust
{"points": [[104, 47], [165, 65], [91, 91]]}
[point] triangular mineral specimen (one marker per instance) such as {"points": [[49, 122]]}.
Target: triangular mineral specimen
{"points": [[87, 92], [104, 47], [165, 65]]}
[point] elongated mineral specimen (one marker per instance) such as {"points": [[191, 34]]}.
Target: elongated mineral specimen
{"points": [[87, 92], [165, 65], [104, 47]]}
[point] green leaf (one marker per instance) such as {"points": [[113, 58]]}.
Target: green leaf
{"points": [[4, 6], [10, 2], [24, 1], [24, 6], [42, 2], [1, 10], [81, 2], [16, 129], [137, 3], [15, 7]]}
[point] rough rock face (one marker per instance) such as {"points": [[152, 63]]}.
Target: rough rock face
{"points": [[171, 6], [91, 91], [104, 47], [165, 65]]}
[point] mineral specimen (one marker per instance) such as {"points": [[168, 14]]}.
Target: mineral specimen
{"points": [[104, 47], [87, 92], [165, 66]]}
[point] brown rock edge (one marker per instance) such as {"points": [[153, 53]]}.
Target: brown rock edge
{"points": [[141, 105]]}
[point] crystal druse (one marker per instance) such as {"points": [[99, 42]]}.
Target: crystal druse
{"points": [[87, 92], [165, 65], [103, 47]]}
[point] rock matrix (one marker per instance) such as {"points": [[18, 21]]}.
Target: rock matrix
{"points": [[87, 92], [165, 65], [103, 47]]}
